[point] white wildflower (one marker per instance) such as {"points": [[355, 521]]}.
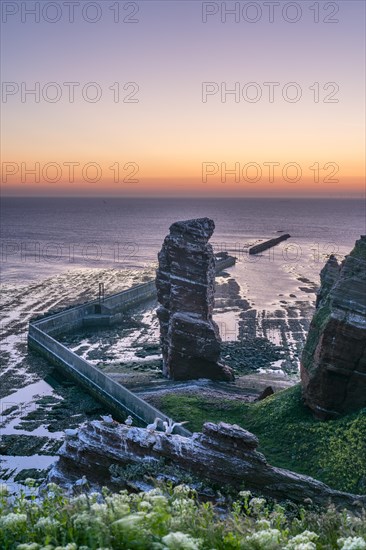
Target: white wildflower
{"points": [[181, 541], [182, 489], [279, 510], [47, 523], [183, 505], [266, 539], [83, 520], [122, 510], [145, 506], [303, 541], [263, 524], [304, 546], [130, 522], [53, 487], [121, 497], [120, 503], [28, 546], [245, 494], [80, 499], [257, 504], [151, 493], [156, 500], [354, 521], [352, 543], [99, 508], [13, 521]]}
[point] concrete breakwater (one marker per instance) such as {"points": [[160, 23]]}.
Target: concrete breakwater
{"points": [[42, 338], [268, 244], [101, 312]]}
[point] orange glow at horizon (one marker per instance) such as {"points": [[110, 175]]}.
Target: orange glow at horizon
{"points": [[189, 92], [133, 183]]}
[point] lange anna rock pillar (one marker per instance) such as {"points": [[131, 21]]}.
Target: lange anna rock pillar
{"points": [[185, 282]]}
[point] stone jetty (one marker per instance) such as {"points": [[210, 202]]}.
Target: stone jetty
{"points": [[268, 244]]}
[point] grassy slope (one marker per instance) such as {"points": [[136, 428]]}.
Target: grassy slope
{"points": [[333, 451]]}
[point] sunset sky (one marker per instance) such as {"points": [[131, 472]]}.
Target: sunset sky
{"points": [[169, 139]]}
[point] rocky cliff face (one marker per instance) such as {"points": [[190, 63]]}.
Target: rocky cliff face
{"points": [[224, 453], [328, 277], [333, 363], [185, 282]]}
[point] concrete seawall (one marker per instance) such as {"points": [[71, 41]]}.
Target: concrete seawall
{"points": [[268, 244], [111, 309], [42, 339], [113, 394]]}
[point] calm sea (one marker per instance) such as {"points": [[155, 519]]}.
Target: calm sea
{"points": [[41, 237]]}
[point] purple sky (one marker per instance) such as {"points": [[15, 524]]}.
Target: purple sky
{"points": [[169, 132]]}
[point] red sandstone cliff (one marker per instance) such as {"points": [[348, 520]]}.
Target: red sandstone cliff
{"points": [[333, 363], [185, 282]]}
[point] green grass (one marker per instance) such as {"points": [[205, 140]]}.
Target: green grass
{"points": [[333, 451]]}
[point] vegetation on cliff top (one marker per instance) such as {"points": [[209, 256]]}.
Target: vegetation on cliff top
{"points": [[333, 451], [169, 518]]}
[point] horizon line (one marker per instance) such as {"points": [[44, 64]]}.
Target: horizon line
{"points": [[202, 197]]}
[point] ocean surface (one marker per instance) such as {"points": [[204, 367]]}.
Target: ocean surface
{"points": [[41, 237]]}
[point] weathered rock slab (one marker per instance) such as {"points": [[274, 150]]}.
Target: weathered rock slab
{"points": [[224, 453]]}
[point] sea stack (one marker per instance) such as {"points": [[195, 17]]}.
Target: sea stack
{"points": [[333, 363], [185, 282]]}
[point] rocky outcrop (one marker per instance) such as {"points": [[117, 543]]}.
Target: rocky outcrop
{"points": [[223, 453], [267, 392], [185, 282], [328, 277], [333, 363]]}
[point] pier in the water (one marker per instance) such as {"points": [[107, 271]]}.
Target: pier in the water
{"points": [[268, 244]]}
